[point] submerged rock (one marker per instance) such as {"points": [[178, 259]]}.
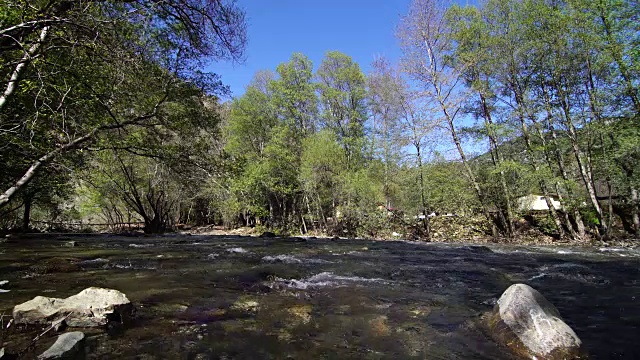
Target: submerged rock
{"points": [[245, 305], [299, 314], [55, 265], [379, 326], [89, 308], [68, 346], [528, 324]]}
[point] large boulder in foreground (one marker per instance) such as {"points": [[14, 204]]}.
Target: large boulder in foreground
{"points": [[90, 308], [528, 324], [67, 346]]}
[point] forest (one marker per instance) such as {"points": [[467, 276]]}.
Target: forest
{"points": [[107, 119]]}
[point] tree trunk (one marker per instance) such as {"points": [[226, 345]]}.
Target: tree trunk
{"points": [[156, 225], [26, 218], [577, 152], [522, 110], [634, 206], [465, 163], [596, 110], [497, 159], [579, 228], [425, 222], [309, 212]]}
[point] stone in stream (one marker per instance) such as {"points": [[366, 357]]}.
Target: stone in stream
{"points": [[90, 308], [68, 346], [528, 324]]}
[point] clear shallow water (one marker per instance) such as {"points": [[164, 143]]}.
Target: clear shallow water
{"points": [[201, 297]]}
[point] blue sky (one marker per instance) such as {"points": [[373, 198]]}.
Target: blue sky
{"points": [[362, 29]]}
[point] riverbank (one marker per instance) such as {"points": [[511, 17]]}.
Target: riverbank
{"points": [[529, 238]]}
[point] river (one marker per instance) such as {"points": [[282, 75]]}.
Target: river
{"points": [[233, 297]]}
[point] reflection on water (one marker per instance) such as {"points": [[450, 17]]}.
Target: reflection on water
{"points": [[201, 297]]}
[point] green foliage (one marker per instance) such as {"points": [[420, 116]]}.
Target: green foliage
{"points": [[547, 90], [343, 97], [87, 71], [294, 95]]}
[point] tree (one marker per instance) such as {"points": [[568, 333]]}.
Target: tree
{"points": [[386, 97], [294, 95], [323, 163], [428, 46], [343, 98], [97, 66], [474, 61]]}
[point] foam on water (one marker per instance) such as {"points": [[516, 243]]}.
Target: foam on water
{"points": [[611, 249], [290, 259], [237, 250], [140, 245], [287, 259], [94, 261], [539, 276], [325, 279], [567, 265], [354, 252]]}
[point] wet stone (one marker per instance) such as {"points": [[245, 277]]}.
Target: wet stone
{"points": [[528, 324], [67, 346], [91, 307]]}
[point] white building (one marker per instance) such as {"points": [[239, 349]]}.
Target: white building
{"points": [[536, 202]]}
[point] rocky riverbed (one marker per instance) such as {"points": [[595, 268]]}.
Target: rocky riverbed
{"points": [[235, 297]]}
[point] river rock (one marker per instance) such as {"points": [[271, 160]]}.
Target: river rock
{"points": [[68, 346], [89, 308], [528, 324]]}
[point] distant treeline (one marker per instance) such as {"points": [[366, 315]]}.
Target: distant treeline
{"points": [[488, 105]]}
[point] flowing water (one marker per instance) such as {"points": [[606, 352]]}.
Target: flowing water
{"points": [[226, 297]]}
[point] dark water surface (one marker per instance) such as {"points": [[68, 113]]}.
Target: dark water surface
{"points": [[214, 297]]}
